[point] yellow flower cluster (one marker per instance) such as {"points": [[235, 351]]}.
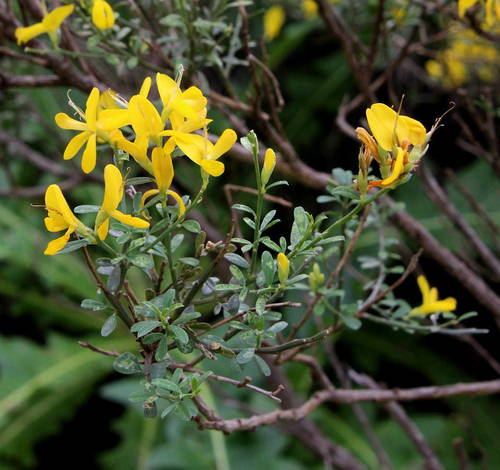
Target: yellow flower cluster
{"points": [[182, 113], [467, 56], [397, 143], [102, 15], [491, 9]]}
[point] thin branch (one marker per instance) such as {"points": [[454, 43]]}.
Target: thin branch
{"points": [[355, 396]]}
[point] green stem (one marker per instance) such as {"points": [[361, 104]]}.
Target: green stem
{"points": [[258, 214], [328, 231]]}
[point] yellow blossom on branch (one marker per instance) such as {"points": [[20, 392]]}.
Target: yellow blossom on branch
{"points": [[391, 130], [49, 24], [163, 172], [188, 103], [60, 217], [274, 19], [268, 167], [491, 9], [203, 152], [283, 268], [113, 194], [102, 15], [430, 302], [98, 125]]}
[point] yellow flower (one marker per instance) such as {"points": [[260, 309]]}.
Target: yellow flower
{"points": [[393, 130], [99, 124], [268, 167], [137, 149], [102, 15], [491, 7], [163, 172], [59, 218], [430, 302], [113, 194], [309, 8], [397, 166], [49, 24], [145, 119], [464, 5], [274, 19], [283, 268], [201, 151], [188, 103]]}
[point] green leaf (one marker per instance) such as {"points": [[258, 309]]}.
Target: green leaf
{"points": [[143, 261], [126, 363], [245, 355], [262, 365], [190, 261], [73, 246], [180, 334], [268, 267], [244, 208], [168, 409], [139, 180], [142, 328], [95, 305], [109, 325], [260, 305], [86, 209], [191, 226], [186, 318], [267, 218], [162, 349], [166, 384], [277, 327], [237, 260]]}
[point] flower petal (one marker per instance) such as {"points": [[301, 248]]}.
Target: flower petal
{"points": [[167, 88], [91, 107], [56, 245], [382, 122], [415, 130], [89, 154], [112, 119], [102, 15], [144, 117], [396, 169], [424, 288], [129, 219], [113, 188], [163, 168], [274, 19], [212, 167], [27, 33], [225, 142], [53, 20], [147, 195], [57, 206], [180, 202], [66, 122], [194, 146], [102, 230], [145, 87], [75, 144]]}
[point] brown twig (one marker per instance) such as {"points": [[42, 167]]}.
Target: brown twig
{"points": [[355, 396]]}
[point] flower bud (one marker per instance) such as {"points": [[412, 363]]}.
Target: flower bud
{"points": [[102, 14], [316, 278], [283, 268], [269, 164]]}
